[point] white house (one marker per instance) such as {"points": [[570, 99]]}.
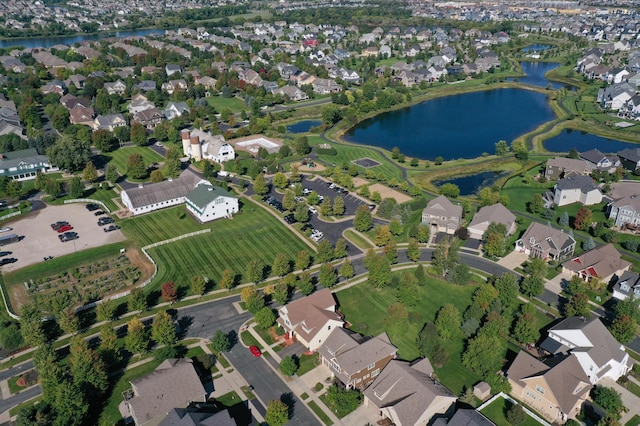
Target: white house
{"points": [[155, 196], [24, 164], [207, 202], [198, 144], [576, 189], [628, 285]]}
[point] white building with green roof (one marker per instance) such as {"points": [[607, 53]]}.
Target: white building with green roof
{"points": [[207, 202]]}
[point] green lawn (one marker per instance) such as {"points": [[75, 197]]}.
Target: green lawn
{"points": [[357, 239], [161, 225], [249, 340], [253, 234], [220, 103], [320, 413], [496, 412], [635, 421], [119, 157], [104, 195], [229, 399], [307, 363]]}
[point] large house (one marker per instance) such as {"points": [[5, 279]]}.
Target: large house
{"points": [[603, 162], [155, 196], [198, 144], [560, 167], [207, 202], [24, 164], [174, 384], [602, 263], [311, 319], [356, 360], [625, 207], [442, 215], [489, 214], [546, 242], [576, 189], [407, 394], [630, 159], [109, 122]]}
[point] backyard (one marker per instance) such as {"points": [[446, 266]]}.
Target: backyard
{"points": [[496, 412]]}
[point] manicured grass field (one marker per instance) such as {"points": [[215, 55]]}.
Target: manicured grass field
{"points": [[119, 157], [161, 225], [307, 363], [496, 412], [104, 195], [357, 239], [220, 103]]}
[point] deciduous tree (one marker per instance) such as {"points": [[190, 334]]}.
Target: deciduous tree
{"points": [[220, 342], [448, 321], [136, 168], [163, 330], [363, 220], [137, 300], [260, 185], [346, 270], [90, 174], [137, 340], [265, 317], [484, 355], [198, 285], [255, 271], [169, 292], [227, 279], [327, 276], [582, 221], [277, 413]]}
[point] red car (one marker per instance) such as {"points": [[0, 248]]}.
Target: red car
{"points": [[64, 228], [255, 351]]}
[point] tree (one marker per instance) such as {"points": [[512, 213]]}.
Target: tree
{"points": [[383, 235], [136, 168], [289, 366], [220, 342], [607, 398], [346, 270], [525, 329], [448, 321], [484, 355], [138, 134], [137, 300], [163, 330], [577, 305], [423, 234], [582, 221], [301, 145], [76, 188], [50, 373], [502, 148], [122, 133], [588, 244], [331, 114], [343, 400], [325, 252], [450, 190], [265, 317], [459, 274], [68, 321], [90, 174], [70, 154], [87, 368], [252, 298], [536, 267], [281, 265], [260, 185], [494, 240], [628, 307], [532, 285], [109, 346], [10, 337], [255, 271], [624, 328], [327, 276], [172, 163], [305, 283], [281, 291], [227, 279], [516, 415], [280, 180], [156, 176], [326, 209], [536, 204], [169, 292], [103, 140], [277, 413], [363, 220], [431, 345], [71, 406], [137, 339], [303, 260], [445, 256], [110, 173], [198, 285], [564, 219], [338, 206]]}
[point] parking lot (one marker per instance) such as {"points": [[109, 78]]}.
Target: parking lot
{"points": [[38, 240]]}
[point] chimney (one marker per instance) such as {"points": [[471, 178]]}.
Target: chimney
{"points": [[195, 140], [185, 134]]}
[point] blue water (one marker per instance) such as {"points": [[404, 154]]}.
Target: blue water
{"points": [[567, 140], [535, 72], [460, 126], [472, 183], [70, 40], [303, 126], [536, 47]]}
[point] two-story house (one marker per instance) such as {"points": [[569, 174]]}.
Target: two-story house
{"points": [[442, 215], [546, 243], [601, 161], [115, 88], [625, 207], [630, 159], [628, 285], [602, 263], [311, 319], [496, 213], [576, 189], [24, 164], [354, 359]]}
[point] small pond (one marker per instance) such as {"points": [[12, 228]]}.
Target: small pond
{"points": [[303, 126], [569, 139], [535, 72], [536, 47], [471, 184]]}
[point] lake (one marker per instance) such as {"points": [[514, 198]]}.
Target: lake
{"points": [[470, 184], [536, 47], [535, 72], [458, 126], [568, 139], [70, 40], [303, 126]]}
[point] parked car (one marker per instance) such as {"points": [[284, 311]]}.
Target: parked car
{"points": [[64, 228], [111, 228], [8, 260], [255, 351], [105, 221], [313, 210], [68, 236], [98, 213], [91, 207], [6, 229], [306, 226], [290, 219], [59, 224], [306, 191], [5, 253]]}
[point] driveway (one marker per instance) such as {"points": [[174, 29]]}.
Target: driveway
{"points": [[513, 260], [39, 240]]}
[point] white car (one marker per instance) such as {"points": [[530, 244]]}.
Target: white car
{"points": [[313, 210], [6, 229]]}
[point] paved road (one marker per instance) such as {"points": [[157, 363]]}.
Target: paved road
{"points": [[19, 398]]}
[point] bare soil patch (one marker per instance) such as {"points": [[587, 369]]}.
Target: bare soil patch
{"points": [[386, 192], [302, 167], [358, 182]]}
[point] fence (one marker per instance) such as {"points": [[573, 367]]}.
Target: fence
{"points": [[88, 200], [513, 401]]}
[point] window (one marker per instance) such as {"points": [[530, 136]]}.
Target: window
{"points": [[540, 389], [375, 372], [531, 395], [371, 366]]}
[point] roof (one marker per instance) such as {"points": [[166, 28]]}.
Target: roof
{"points": [[409, 391], [495, 213], [23, 156], [601, 262], [594, 156], [309, 314], [632, 279], [162, 191], [469, 417], [546, 238], [211, 143], [631, 154], [626, 194], [174, 383], [180, 417], [441, 206], [583, 183], [204, 194]]}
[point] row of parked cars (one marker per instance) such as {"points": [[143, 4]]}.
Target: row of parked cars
{"points": [[64, 230], [104, 220]]}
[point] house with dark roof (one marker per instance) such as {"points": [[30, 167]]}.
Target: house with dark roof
{"points": [[464, 417], [630, 159], [601, 263], [109, 122], [628, 285], [442, 215], [207, 202], [496, 213], [576, 189], [311, 319], [24, 164], [625, 207], [407, 394], [603, 162], [149, 118], [546, 242], [182, 417], [150, 197], [173, 384], [356, 360]]}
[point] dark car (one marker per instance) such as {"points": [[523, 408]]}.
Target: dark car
{"points": [[5, 253], [91, 207], [290, 219], [111, 228], [105, 221], [59, 224], [68, 236], [98, 213], [307, 226], [8, 260]]}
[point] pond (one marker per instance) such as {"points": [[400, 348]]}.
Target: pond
{"points": [[303, 126], [471, 184], [536, 47], [535, 72], [458, 126], [569, 139]]}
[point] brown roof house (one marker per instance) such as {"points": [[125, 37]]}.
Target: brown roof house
{"points": [[311, 319], [546, 242], [407, 394], [560, 167], [174, 384], [354, 359], [442, 215], [601, 263], [149, 118], [486, 215]]}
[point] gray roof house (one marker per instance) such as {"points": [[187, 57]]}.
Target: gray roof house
{"points": [[630, 158], [442, 215], [559, 167], [486, 215], [174, 384], [625, 207], [24, 164], [546, 242], [180, 417], [176, 109], [628, 285], [604, 162], [407, 394], [155, 196], [576, 189], [464, 417], [109, 122]]}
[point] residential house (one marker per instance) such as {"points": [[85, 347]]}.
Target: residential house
{"points": [[546, 243], [171, 69], [602, 263], [149, 118], [80, 114], [115, 88], [496, 213], [607, 163], [625, 207], [24, 164], [138, 103], [576, 189], [69, 101], [354, 359], [173, 85], [54, 86], [630, 159], [311, 319], [294, 93], [173, 384], [150, 197], [77, 80], [628, 285], [145, 85], [464, 417], [176, 109], [109, 122], [325, 86], [207, 202], [198, 144], [560, 167], [442, 215], [207, 82], [183, 417], [615, 96], [407, 394]]}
